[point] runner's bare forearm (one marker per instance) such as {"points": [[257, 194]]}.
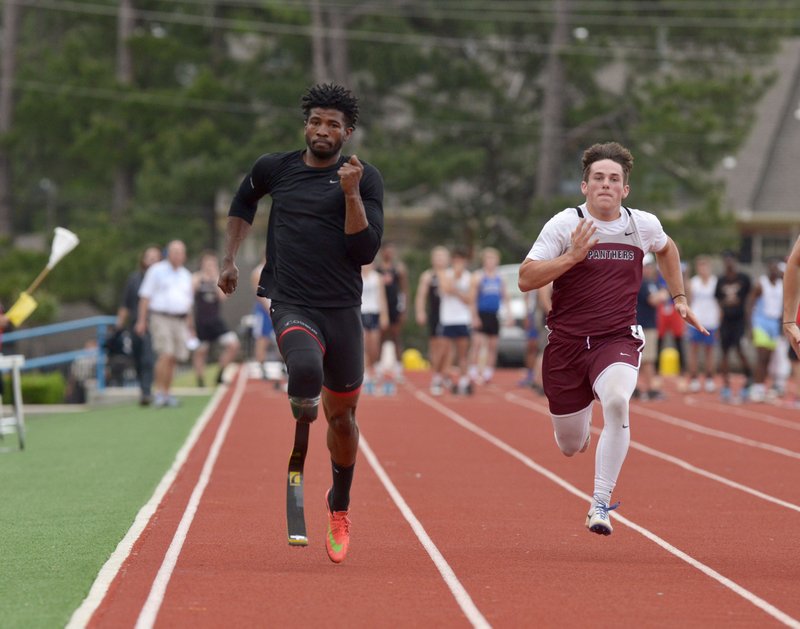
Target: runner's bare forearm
{"points": [[537, 273], [669, 263], [355, 219], [235, 233]]}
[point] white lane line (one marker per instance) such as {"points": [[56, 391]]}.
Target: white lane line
{"points": [[147, 616], [719, 434], [747, 595], [82, 615], [743, 412], [514, 399], [461, 595]]}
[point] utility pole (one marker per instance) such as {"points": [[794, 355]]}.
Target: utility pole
{"points": [[548, 171], [8, 69], [123, 177]]}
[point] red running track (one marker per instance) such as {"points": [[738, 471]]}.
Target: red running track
{"points": [[705, 534]]}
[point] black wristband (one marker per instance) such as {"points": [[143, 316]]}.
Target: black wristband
{"points": [[790, 323], [674, 297]]}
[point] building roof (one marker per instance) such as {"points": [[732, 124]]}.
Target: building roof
{"points": [[762, 184]]}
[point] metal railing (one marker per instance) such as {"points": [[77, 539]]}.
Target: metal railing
{"points": [[101, 323]]}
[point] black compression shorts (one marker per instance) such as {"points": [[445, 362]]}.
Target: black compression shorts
{"points": [[490, 324], [339, 334]]}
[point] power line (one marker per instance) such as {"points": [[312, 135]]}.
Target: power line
{"points": [[614, 7], [496, 42], [263, 108], [588, 14]]}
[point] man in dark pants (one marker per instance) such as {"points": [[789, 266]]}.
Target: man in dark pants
{"points": [[733, 289], [142, 346], [326, 221]]}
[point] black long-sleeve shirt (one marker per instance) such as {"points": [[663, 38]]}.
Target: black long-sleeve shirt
{"points": [[310, 260]]}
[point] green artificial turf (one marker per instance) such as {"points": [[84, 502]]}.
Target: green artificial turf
{"points": [[70, 497]]}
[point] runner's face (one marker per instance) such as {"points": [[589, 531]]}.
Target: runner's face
{"points": [[440, 259], [326, 132], [604, 187]]}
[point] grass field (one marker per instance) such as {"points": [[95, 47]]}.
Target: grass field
{"points": [[68, 499]]}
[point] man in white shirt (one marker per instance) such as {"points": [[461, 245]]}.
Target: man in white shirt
{"points": [[166, 297]]}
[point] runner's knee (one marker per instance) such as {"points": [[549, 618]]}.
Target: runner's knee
{"points": [[568, 447], [304, 409], [343, 423], [304, 368], [615, 408]]}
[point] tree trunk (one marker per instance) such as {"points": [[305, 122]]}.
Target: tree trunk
{"points": [[7, 72], [215, 12], [318, 53], [123, 177], [337, 47], [548, 172]]}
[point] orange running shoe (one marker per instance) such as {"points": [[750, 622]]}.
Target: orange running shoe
{"points": [[337, 540]]}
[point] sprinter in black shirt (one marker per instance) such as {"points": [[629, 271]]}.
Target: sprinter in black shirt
{"points": [[326, 221]]}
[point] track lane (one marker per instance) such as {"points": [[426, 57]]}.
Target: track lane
{"points": [[522, 551], [515, 540], [236, 568], [743, 538]]}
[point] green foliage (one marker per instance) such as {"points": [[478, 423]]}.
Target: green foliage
{"points": [[703, 229], [110, 459], [39, 388], [20, 268], [451, 101]]}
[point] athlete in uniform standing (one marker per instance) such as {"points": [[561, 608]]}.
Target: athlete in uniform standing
{"points": [[395, 280], [593, 255], [326, 221]]}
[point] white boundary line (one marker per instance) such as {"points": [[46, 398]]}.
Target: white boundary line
{"points": [[514, 399], [749, 596], [743, 412], [147, 616], [82, 615], [720, 434], [461, 595]]}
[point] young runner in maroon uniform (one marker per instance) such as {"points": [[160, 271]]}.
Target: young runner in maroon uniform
{"points": [[593, 255]]}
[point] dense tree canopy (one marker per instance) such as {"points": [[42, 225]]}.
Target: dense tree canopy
{"points": [[452, 96]]}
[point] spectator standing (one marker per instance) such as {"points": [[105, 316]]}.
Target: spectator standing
{"points": [[670, 323], [374, 319], [127, 316], [651, 296], [427, 305], [488, 295], [731, 293], [538, 303], [3, 325], [767, 299], [702, 290], [455, 316], [208, 321], [263, 331], [395, 281], [165, 310]]}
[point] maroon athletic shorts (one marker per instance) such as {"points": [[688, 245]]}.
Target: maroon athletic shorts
{"points": [[571, 364]]}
